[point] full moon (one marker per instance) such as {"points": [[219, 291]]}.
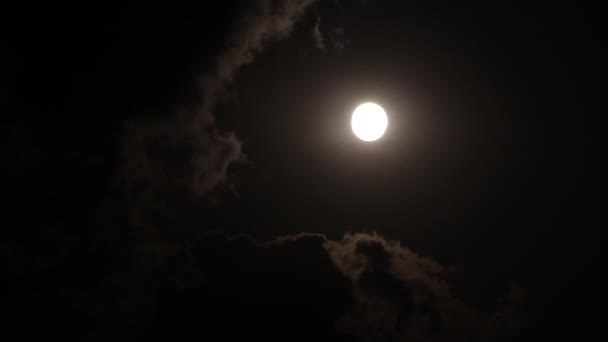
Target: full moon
{"points": [[369, 122]]}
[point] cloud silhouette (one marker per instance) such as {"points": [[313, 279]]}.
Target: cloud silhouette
{"points": [[402, 296], [361, 287], [318, 36], [186, 151]]}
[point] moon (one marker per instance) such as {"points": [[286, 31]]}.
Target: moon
{"points": [[369, 122]]}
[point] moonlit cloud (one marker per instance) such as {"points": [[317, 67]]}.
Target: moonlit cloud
{"points": [[402, 295], [366, 286], [186, 153], [318, 36]]}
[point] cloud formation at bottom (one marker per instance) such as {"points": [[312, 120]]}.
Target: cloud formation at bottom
{"points": [[362, 287]]}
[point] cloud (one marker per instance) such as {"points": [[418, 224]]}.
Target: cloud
{"points": [[318, 36], [185, 152], [362, 287], [402, 296], [335, 38], [288, 286]]}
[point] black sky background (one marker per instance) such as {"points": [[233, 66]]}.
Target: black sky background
{"points": [[490, 162]]}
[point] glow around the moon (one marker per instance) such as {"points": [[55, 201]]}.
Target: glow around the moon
{"points": [[369, 122]]}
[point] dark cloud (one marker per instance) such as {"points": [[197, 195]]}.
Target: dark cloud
{"points": [[186, 151], [334, 38], [362, 287], [85, 258], [177, 162], [287, 287], [337, 38], [318, 36], [402, 296]]}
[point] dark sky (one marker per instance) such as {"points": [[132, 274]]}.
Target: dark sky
{"points": [[178, 172]]}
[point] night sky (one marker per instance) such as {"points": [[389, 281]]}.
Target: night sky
{"points": [[176, 173]]}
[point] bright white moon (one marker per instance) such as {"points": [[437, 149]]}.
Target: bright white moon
{"points": [[369, 122]]}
